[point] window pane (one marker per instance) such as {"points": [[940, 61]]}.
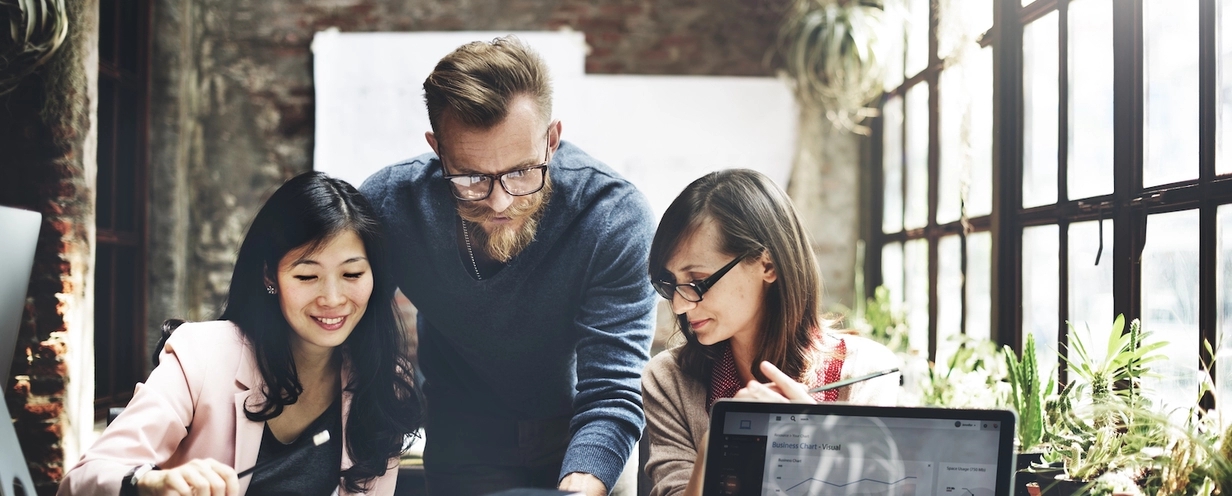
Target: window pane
{"points": [[949, 296], [1090, 99], [1039, 92], [959, 26], [979, 197], [1170, 33], [1224, 94], [1223, 285], [892, 273], [1090, 285], [1040, 281], [917, 36], [917, 157], [966, 137], [916, 291], [979, 285], [953, 121], [1170, 305], [894, 42], [892, 165]]}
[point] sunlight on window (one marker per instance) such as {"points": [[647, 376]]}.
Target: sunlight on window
{"points": [[949, 295], [1090, 285], [892, 273], [966, 137], [1223, 94], [1170, 73], [1090, 99], [893, 43], [1170, 305], [915, 259], [979, 285], [916, 215], [1223, 297], [892, 165], [1040, 100], [960, 24], [917, 36], [1040, 280]]}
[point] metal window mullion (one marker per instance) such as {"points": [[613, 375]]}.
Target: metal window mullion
{"points": [[1062, 182], [933, 75], [1129, 235], [1208, 256], [1007, 175]]}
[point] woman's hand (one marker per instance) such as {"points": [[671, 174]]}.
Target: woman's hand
{"points": [[781, 389], [195, 478]]}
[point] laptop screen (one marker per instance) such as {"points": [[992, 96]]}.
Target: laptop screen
{"points": [[19, 229], [834, 449]]}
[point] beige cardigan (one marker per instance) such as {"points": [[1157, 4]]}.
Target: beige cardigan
{"points": [[677, 420]]}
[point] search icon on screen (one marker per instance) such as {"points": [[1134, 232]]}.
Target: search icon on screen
{"points": [[793, 418]]}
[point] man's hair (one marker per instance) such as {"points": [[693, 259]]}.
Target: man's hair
{"points": [[754, 216], [476, 82]]}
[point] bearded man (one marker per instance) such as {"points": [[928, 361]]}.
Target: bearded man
{"points": [[525, 258]]}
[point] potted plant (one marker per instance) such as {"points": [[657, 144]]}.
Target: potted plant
{"points": [[1100, 423], [1027, 398], [36, 30], [834, 57]]}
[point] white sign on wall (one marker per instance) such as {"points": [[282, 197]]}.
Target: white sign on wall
{"points": [[660, 132]]}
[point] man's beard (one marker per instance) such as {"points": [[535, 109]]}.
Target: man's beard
{"points": [[504, 242]]}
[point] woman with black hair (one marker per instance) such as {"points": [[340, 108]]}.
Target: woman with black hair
{"points": [[297, 351]]}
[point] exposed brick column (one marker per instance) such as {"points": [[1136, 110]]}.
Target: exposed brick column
{"points": [[47, 165]]}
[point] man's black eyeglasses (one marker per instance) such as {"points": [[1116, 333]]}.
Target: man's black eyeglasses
{"points": [[693, 291], [517, 182]]}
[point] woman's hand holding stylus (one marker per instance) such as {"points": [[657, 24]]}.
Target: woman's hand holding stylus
{"points": [[781, 388], [195, 478]]}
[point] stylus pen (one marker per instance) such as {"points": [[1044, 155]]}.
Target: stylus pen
{"points": [[853, 380], [317, 440]]}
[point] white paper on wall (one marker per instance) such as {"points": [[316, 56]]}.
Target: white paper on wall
{"points": [[660, 132], [369, 91]]}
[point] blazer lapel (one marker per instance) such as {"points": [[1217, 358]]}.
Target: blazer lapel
{"points": [[247, 433]]}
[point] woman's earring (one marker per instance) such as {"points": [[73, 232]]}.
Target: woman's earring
{"points": [[269, 288]]}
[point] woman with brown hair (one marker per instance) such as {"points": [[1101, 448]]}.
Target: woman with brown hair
{"points": [[738, 268]]}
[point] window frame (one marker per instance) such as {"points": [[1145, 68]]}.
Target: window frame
{"points": [[1128, 206], [124, 358]]}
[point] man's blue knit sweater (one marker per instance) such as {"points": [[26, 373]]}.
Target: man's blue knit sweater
{"points": [[563, 329]]}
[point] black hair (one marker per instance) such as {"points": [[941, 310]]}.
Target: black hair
{"points": [[306, 212]]}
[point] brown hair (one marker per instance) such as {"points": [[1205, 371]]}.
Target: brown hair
{"points": [[477, 81], [754, 216]]}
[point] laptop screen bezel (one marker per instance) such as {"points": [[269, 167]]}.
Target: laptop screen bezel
{"points": [[1007, 418]]}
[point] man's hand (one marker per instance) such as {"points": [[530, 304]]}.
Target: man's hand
{"points": [[583, 483]]}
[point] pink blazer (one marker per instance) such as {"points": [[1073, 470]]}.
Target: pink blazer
{"points": [[192, 406]]}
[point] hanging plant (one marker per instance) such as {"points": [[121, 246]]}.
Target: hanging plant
{"points": [[833, 56], [36, 29]]}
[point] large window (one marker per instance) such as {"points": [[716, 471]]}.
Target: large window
{"points": [[119, 266], [1070, 164], [933, 249]]}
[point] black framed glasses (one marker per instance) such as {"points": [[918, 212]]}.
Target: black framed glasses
{"points": [[517, 182], [694, 291]]}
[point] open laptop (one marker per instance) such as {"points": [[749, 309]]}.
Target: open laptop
{"points": [[19, 229], [790, 449]]}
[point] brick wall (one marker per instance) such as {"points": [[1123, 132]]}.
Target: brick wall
{"points": [[44, 139]]}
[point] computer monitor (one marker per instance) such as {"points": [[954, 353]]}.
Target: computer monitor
{"points": [[19, 229]]}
